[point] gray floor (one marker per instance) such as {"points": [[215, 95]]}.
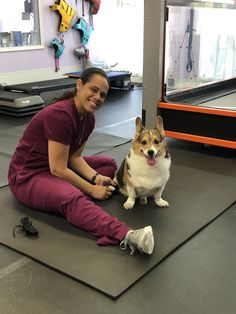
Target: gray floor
{"points": [[198, 278], [119, 112]]}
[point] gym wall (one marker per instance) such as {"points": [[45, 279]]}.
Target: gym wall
{"points": [[38, 64]]}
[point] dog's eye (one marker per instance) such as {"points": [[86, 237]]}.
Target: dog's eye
{"points": [[143, 142], [156, 141]]}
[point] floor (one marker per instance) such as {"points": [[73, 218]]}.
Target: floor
{"points": [[198, 278]]}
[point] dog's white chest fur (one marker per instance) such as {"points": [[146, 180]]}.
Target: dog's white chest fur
{"points": [[145, 178]]}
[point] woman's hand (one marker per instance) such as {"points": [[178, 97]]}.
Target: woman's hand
{"points": [[100, 192], [103, 180]]}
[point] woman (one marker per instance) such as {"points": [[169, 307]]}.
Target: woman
{"points": [[47, 171]]}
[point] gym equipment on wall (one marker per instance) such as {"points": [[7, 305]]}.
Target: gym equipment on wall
{"points": [[83, 54], [85, 30], [67, 13], [59, 47]]}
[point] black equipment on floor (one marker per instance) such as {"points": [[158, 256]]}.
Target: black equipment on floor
{"points": [[19, 104], [23, 99], [36, 88]]}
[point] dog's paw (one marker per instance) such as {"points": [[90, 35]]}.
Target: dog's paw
{"points": [[111, 188], [143, 200], [161, 203], [129, 204]]}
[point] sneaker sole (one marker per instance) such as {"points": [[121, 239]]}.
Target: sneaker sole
{"points": [[147, 241]]}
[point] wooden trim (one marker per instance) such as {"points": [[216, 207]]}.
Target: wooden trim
{"points": [[199, 109], [201, 139]]}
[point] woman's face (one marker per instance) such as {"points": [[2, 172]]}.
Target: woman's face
{"points": [[91, 95]]}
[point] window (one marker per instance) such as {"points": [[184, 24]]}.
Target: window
{"points": [[200, 43], [117, 38], [20, 26]]}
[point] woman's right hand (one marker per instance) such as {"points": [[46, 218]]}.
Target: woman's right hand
{"points": [[100, 192]]}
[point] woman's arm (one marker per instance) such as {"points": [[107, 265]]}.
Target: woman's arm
{"points": [[80, 166], [58, 156]]}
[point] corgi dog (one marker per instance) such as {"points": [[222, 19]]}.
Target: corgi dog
{"points": [[146, 168]]}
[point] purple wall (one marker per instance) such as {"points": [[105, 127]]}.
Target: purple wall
{"points": [[44, 58]]}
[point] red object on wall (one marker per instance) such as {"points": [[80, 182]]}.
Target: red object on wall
{"points": [[94, 6]]}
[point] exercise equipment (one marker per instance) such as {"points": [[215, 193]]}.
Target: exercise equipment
{"points": [[36, 88], [19, 104], [118, 79], [67, 13], [198, 96], [94, 6], [83, 54], [85, 30], [205, 114], [58, 46]]}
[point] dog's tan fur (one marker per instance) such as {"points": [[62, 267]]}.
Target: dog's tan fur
{"points": [[145, 170]]}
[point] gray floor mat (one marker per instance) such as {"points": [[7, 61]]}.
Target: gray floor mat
{"points": [[4, 162], [194, 193], [8, 142], [99, 142]]}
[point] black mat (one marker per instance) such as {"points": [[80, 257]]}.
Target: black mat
{"points": [[200, 188]]}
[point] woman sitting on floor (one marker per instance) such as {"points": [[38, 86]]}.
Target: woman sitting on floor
{"points": [[47, 171]]}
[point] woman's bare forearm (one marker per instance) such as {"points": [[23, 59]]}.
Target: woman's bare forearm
{"points": [[80, 166], [75, 179]]}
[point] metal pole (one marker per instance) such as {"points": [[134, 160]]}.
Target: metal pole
{"points": [[152, 59]]}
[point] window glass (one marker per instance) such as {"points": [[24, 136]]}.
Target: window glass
{"points": [[200, 43], [20, 25]]}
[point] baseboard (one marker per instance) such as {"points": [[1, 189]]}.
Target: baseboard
{"points": [[35, 75]]}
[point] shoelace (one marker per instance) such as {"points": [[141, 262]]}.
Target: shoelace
{"points": [[127, 243]]}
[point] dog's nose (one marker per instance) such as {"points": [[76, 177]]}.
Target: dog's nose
{"points": [[150, 152]]}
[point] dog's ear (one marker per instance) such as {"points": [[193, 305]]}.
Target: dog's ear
{"points": [[139, 125], [159, 125]]}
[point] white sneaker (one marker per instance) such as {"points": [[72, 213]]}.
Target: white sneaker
{"points": [[141, 239]]}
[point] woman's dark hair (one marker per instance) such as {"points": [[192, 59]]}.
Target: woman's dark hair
{"points": [[85, 77], [87, 74]]}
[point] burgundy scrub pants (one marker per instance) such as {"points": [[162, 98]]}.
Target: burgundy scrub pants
{"points": [[47, 192]]}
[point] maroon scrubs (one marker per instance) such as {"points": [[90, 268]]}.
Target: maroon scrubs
{"points": [[32, 183]]}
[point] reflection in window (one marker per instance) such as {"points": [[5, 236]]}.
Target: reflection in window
{"points": [[200, 43], [19, 24]]}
